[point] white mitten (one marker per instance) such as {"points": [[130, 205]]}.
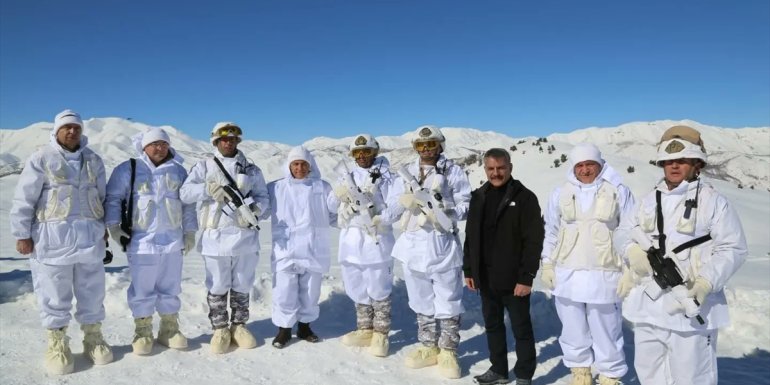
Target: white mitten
{"points": [[216, 191], [189, 242], [408, 201], [340, 191], [637, 258], [548, 276], [700, 289], [116, 232], [626, 283]]}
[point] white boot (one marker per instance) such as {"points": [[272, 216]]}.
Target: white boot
{"points": [[169, 334], [58, 357], [94, 347], [447, 364], [220, 341], [142, 343], [581, 376], [379, 344], [358, 337], [603, 380], [421, 357], [243, 337]]}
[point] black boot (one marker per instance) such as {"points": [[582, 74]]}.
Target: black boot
{"points": [[304, 332], [282, 338]]}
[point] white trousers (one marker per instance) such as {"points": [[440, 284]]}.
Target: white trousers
{"points": [[592, 334], [436, 294], [230, 272], [364, 283], [54, 286], [156, 281], [295, 296], [668, 357]]}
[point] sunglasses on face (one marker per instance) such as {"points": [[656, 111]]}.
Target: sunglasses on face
{"points": [[427, 145], [362, 152]]}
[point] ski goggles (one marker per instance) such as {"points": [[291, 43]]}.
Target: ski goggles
{"points": [[356, 152], [227, 131], [426, 145]]}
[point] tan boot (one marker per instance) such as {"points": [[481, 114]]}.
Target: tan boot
{"points": [[448, 366], [243, 337], [379, 344], [142, 343], [220, 341], [58, 357], [169, 334], [94, 347], [421, 357], [358, 337], [603, 380], [581, 376]]}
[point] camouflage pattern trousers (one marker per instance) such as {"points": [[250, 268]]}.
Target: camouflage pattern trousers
{"points": [[239, 305]]}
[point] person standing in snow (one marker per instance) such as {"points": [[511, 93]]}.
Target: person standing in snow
{"points": [[691, 226], [365, 243], [430, 249], [57, 218], [231, 194], [303, 209], [503, 240], [582, 268], [163, 228]]}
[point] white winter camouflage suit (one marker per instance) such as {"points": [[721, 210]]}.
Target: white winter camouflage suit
{"points": [[365, 254], [579, 221], [670, 348], [302, 213], [432, 260], [58, 203], [160, 220], [229, 247]]}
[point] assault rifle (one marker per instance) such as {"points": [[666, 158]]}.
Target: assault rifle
{"points": [[360, 203], [668, 277], [432, 205], [127, 209], [237, 204]]}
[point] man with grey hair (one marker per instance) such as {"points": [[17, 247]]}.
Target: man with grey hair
{"points": [[503, 241]]}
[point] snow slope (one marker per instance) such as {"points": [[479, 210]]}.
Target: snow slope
{"points": [[744, 348]]}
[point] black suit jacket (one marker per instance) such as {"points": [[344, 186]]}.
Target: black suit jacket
{"points": [[519, 233]]}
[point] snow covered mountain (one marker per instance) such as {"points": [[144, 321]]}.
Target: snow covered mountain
{"points": [[739, 156]]}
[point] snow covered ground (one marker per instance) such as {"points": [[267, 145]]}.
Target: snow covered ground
{"points": [[744, 348]]}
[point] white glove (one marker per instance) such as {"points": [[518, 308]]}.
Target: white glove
{"points": [[116, 232], [637, 258], [626, 283], [345, 211], [700, 289], [340, 191], [548, 276], [376, 221], [189, 242], [217, 192], [408, 201]]}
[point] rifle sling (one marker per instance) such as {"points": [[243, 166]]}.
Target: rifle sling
{"points": [[662, 237], [130, 210], [229, 178]]}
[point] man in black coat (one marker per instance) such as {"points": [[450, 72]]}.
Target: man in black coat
{"points": [[503, 240]]}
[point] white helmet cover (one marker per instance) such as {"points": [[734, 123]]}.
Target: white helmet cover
{"points": [[235, 131], [364, 141], [428, 133], [681, 142]]}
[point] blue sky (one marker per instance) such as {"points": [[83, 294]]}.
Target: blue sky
{"points": [[291, 70]]}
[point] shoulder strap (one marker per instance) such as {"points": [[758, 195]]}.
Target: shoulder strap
{"points": [[659, 215], [131, 190], [229, 178]]}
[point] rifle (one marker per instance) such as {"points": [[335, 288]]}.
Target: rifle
{"points": [[127, 210], [667, 274], [432, 205], [361, 203], [237, 203]]}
